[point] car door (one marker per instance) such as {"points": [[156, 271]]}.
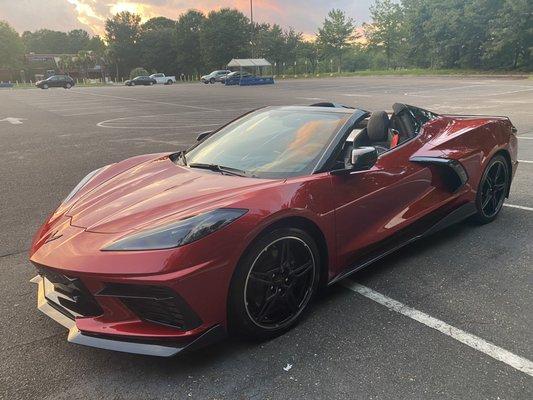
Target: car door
{"points": [[54, 81], [375, 209]]}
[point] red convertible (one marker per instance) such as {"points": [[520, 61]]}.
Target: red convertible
{"points": [[163, 253]]}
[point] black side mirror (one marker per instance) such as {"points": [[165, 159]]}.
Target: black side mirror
{"points": [[203, 135], [361, 159]]}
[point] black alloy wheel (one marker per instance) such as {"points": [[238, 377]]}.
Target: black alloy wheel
{"points": [[492, 189], [274, 283]]}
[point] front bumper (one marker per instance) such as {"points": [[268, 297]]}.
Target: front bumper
{"points": [[51, 309]]}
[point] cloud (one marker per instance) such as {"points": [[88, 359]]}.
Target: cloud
{"points": [[303, 15]]}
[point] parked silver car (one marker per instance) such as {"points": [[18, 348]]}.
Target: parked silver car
{"points": [[215, 76]]}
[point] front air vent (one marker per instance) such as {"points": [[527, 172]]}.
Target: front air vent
{"points": [[156, 304]]}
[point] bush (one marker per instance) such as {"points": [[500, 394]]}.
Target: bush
{"points": [[139, 71]]}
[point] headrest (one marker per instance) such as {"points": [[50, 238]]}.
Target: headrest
{"points": [[398, 108], [378, 127]]}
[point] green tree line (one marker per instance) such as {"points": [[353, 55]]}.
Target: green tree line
{"points": [[466, 34]]}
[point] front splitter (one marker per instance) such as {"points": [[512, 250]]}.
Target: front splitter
{"points": [[215, 333]]}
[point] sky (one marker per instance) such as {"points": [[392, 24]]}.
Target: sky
{"points": [[303, 15]]}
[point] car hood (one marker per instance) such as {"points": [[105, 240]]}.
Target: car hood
{"points": [[154, 193]]}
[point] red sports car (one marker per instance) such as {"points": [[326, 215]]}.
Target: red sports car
{"points": [[162, 253]]}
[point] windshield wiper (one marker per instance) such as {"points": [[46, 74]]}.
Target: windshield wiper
{"points": [[219, 168], [182, 155]]}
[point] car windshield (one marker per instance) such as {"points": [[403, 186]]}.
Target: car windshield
{"points": [[271, 143]]}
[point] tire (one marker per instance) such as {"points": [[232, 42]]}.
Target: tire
{"points": [[68, 86], [492, 190], [151, 83], [212, 80], [266, 301], [169, 82], [45, 86], [206, 82]]}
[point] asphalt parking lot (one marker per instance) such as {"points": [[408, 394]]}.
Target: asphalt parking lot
{"points": [[475, 279]]}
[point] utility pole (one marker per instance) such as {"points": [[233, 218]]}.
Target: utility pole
{"points": [[252, 26]]}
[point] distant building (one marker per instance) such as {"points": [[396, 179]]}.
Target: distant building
{"points": [[44, 65]]}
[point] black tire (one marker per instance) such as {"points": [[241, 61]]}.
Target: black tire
{"points": [[68, 86], [169, 82], [212, 80], [265, 302], [492, 190], [206, 82], [45, 86]]}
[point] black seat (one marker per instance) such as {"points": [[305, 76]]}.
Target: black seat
{"points": [[401, 111], [378, 131]]}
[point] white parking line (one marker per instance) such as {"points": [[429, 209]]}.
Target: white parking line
{"points": [[525, 162], [519, 363], [525, 137], [107, 110], [519, 207]]}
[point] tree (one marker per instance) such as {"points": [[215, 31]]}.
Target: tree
{"points": [[158, 23], [309, 53], [511, 38], [122, 35], [83, 60], [188, 49], [46, 41], [157, 48], [77, 40], [97, 46], [65, 63], [336, 35], [386, 31], [11, 47], [222, 37]]}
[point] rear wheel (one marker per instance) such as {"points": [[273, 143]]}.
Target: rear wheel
{"points": [[212, 80], [492, 190], [68, 86], [273, 283], [169, 82]]}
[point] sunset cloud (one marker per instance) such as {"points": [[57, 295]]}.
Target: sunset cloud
{"points": [[303, 15]]}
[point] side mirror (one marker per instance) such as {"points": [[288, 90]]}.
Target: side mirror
{"points": [[203, 135], [363, 158]]}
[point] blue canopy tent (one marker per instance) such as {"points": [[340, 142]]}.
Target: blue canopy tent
{"points": [[257, 65]]}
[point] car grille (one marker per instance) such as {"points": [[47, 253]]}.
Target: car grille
{"points": [[156, 304], [68, 295]]}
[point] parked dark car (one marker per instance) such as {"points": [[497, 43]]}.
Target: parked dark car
{"points": [[141, 80], [63, 81], [215, 76], [233, 78]]}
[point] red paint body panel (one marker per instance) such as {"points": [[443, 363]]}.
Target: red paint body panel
{"points": [[352, 211]]}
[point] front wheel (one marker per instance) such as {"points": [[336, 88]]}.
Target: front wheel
{"points": [[45, 86], [273, 284], [492, 190], [68, 86], [212, 80]]}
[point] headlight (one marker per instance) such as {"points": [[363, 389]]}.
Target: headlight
{"points": [[178, 233], [82, 183]]}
